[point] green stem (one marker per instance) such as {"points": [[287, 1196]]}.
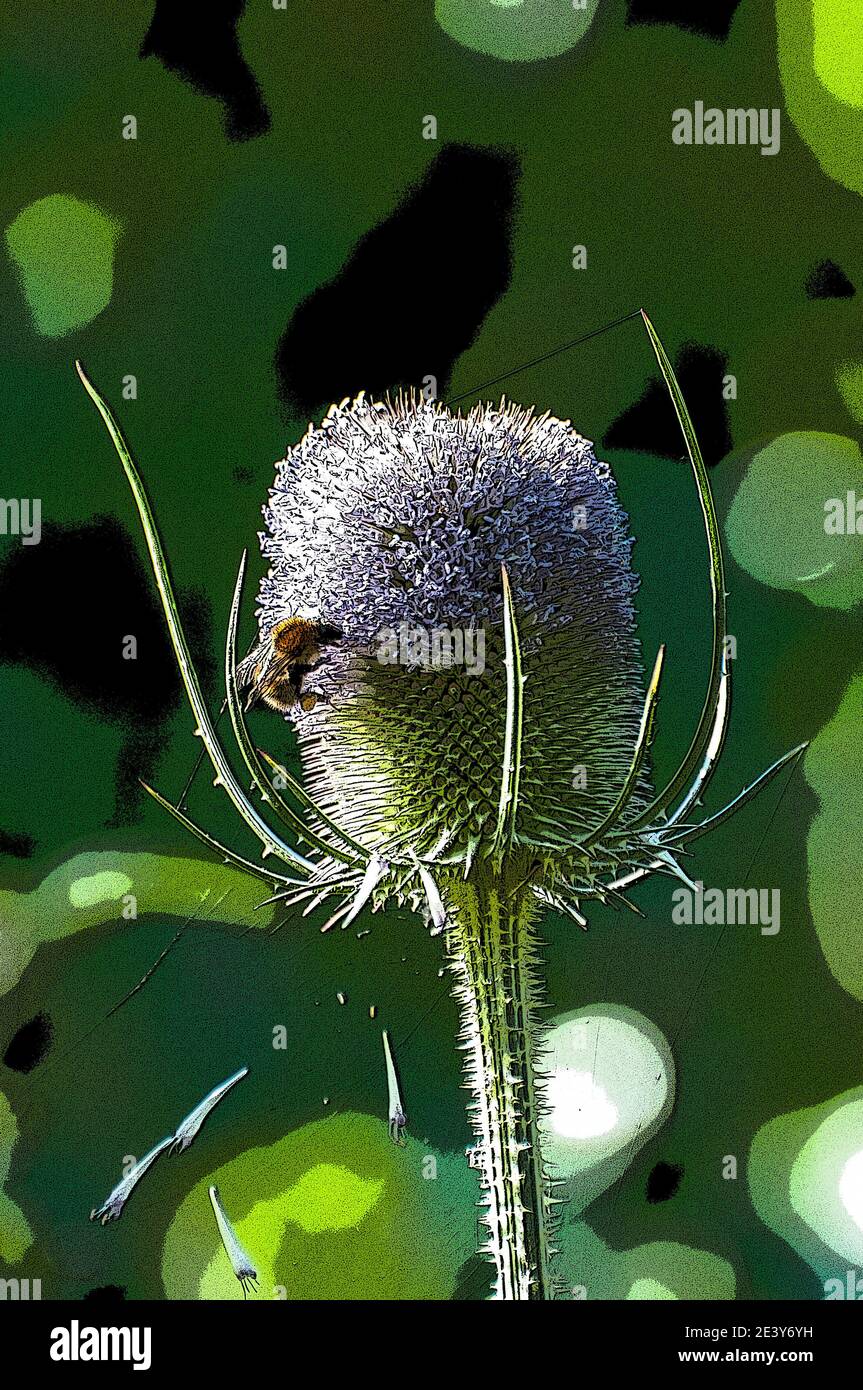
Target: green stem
{"points": [[494, 953]]}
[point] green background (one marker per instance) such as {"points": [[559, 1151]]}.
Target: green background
{"points": [[717, 244]]}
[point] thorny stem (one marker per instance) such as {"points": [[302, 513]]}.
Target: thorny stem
{"points": [[494, 955]]}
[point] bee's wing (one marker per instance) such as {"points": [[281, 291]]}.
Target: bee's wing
{"points": [[268, 659], [249, 665], [253, 672]]}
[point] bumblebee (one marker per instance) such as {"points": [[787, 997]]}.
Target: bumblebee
{"points": [[274, 671]]}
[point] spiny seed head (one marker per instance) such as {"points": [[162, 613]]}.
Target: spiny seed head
{"points": [[391, 520]]}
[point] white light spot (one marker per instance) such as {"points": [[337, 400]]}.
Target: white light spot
{"points": [[580, 1109], [851, 1188], [98, 888], [610, 1086]]}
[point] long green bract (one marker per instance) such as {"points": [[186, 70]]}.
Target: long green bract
{"points": [[702, 733], [224, 773]]}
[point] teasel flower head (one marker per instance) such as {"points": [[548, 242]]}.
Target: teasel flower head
{"points": [[395, 521]]}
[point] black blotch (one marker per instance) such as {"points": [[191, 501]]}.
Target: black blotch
{"points": [[651, 426], [198, 40], [106, 1293], [710, 18], [828, 281], [31, 1044], [66, 606], [19, 846], [663, 1182], [243, 474], [415, 291]]}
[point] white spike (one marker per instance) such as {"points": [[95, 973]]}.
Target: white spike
{"points": [[670, 862], [437, 910], [240, 1263], [714, 745], [396, 1117], [375, 870]]}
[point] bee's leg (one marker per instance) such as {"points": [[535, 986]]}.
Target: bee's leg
{"points": [[296, 676], [305, 701], [308, 699]]}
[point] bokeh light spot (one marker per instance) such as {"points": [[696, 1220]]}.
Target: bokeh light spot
{"points": [[516, 30], [63, 249]]}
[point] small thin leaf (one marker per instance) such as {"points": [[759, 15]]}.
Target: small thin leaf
{"points": [[236, 859], [302, 796], [683, 837]]}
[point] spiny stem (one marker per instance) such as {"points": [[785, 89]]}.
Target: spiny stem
{"points": [[494, 954]]}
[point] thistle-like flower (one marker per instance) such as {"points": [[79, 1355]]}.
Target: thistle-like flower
{"points": [[396, 522], [476, 742]]}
